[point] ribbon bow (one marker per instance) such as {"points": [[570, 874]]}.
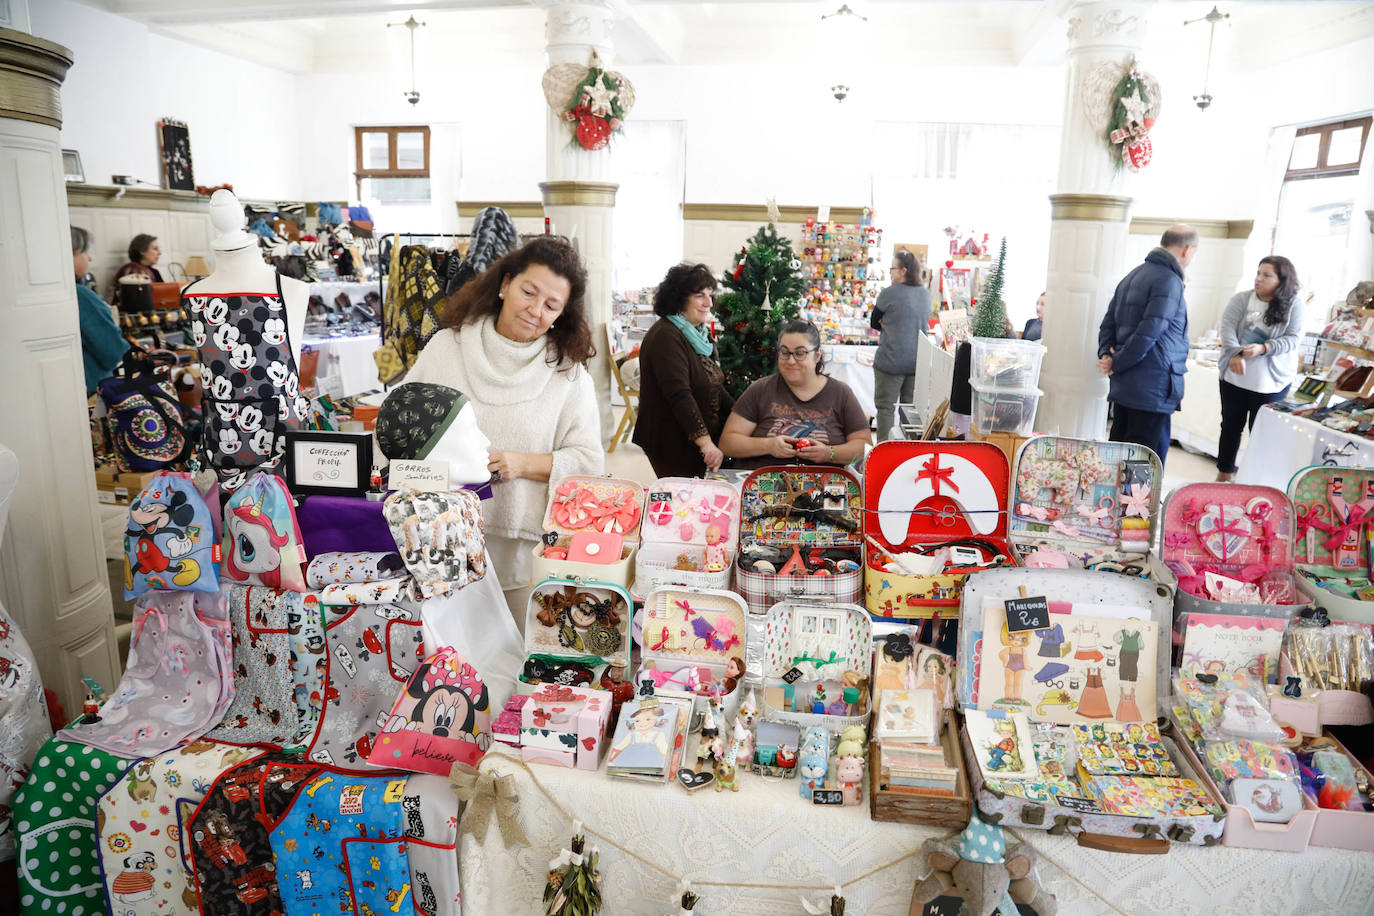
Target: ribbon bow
{"points": [[484, 793], [1231, 527], [937, 475], [1027, 510], [1137, 500], [1064, 529]]}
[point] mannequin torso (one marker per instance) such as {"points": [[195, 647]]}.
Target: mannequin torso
{"points": [[242, 271]]}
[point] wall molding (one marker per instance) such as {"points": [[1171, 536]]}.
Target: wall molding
{"points": [[1206, 228], [1106, 208], [758, 213], [31, 75], [98, 195], [578, 193], [515, 209]]}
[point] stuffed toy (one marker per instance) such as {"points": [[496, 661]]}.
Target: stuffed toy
{"points": [[979, 866]]}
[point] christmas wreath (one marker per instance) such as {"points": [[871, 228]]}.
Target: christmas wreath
{"points": [[1135, 105], [594, 105]]}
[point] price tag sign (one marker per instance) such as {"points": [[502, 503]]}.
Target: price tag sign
{"points": [[827, 797], [662, 496], [1027, 614], [425, 476], [1085, 805], [550, 538], [792, 676]]}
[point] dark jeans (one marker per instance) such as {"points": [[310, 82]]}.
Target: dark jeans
{"points": [[1238, 409], [1143, 427]]}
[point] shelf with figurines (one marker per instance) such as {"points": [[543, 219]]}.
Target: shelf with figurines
{"points": [[840, 265]]}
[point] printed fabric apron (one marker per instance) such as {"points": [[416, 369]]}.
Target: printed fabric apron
{"points": [[431, 831], [252, 388], [279, 668], [372, 651], [234, 868], [141, 825], [177, 675], [341, 846], [23, 722], [54, 821]]}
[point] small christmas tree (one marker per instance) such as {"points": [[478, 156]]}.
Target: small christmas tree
{"points": [[761, 295], [990, 314], [574, 886]]}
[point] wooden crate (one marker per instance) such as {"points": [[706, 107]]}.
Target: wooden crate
{"points": [[918, 808], [1009, 443]]}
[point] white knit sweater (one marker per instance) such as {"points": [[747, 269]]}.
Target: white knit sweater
{"points": [[523, 405]]}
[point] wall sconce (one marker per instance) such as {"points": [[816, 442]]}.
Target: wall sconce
{"points": [[1211, 19]]}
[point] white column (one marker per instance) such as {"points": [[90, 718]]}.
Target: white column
{"points": [[579, 196], [52, 560], [1088, 227]]}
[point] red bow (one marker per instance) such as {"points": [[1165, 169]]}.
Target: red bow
{"points": [[1336, 533], [1231, 527], [662, 641], [937, 475]]}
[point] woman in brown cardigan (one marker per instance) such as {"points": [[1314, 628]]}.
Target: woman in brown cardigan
{"points": [[682, 399]]}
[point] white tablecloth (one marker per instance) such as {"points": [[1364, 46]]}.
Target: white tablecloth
{"points": [[350, 358], [1197, 425], [853, 365], [1285, 444], [765, 834]]}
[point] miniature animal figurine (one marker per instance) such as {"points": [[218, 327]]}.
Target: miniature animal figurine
{"points": [[849, 773], [979, 866], [813, 771], [726, 776], [859, 735], [816, 741]]}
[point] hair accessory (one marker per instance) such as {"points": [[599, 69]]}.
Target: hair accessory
{"points": [[660, 513], [1040, 513], [1136, 499]]}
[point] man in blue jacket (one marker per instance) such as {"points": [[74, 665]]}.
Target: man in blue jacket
{"points": [[1143, 343]]}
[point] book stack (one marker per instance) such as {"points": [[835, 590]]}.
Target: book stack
{"points": [[918, 769]]}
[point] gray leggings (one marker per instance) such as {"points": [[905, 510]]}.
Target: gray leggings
{"points": [[888, 391]]}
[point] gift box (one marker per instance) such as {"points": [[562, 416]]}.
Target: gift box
{"points": [[919, 497], [505, 728], [565, 726]]}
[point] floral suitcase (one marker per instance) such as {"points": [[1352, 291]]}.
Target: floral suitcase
{"points": [[1216, 534], [693, 640], [55, 828], [1059, 670], [689, 535], [1335, 508], [919, 497]]}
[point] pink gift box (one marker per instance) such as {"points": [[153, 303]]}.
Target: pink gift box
{"points": [[506, 727], [558, 720], [551, 758]]}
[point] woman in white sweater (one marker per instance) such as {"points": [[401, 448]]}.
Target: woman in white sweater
{"points": [[1260, 332], [516, 342]]}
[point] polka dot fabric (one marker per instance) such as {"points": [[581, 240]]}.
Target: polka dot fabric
{"points": [[54, 819]]}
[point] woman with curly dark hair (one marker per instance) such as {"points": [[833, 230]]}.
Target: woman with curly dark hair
{"points": [[682, 399], [516, 342], [1260, 332]]}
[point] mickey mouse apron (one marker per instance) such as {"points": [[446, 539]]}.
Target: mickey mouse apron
{"points": [[252, 388]]}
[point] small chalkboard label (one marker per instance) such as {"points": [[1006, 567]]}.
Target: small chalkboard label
{"points": [[827, 797], [1027, 614], [660, 497], [550, 538], [1086, 805], [946, 905], [792, 676]]}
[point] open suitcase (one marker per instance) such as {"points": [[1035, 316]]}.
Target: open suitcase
{"points": [[919, 496], [694, 640], [1047, 681], [584, 516], [575, 631], [689, 535], [1334, 507]]}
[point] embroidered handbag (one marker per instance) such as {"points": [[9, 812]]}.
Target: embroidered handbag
{"points": [[263, 536], [169, 542], [149, 428]]}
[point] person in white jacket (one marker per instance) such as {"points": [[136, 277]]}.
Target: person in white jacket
{"points": [[1260, 332], [516, 342]]}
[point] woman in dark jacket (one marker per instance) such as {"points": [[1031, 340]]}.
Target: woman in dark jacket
{"points": [[682, 399]]}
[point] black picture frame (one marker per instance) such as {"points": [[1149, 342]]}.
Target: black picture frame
{"points": [[303, 479]]}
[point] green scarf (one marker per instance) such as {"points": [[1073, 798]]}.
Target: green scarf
{"points": [[696, 336]]}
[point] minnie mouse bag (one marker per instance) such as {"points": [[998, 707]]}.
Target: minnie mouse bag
{"points": [[169, 542], [441, 716], [263, 536]]}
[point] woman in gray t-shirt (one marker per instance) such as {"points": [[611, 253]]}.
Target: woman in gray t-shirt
{"points": [[901, 315]]}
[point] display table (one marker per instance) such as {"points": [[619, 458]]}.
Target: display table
{"points": [[1291, 443], [1197, 425], [765, 835], [853, 365], [350, 358]]}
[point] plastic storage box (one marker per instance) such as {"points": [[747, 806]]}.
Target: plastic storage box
{"points": [[999, 363], [1004, 410]]}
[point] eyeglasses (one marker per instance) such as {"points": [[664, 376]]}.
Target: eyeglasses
{"points": [[796, 355]]}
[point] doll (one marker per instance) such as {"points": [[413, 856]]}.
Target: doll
{"points": [[850, 776], [713, 557], [734, 670], [858, 681]]}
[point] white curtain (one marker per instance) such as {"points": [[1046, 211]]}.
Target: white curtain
{"points": [[981, 178], [648, 207]]}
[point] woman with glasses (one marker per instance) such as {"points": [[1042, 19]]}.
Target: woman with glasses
{"points": [[797, 415], [901, 315], [682, 397]]}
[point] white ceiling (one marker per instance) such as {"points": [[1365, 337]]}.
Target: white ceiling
{"points": [[329, 36]]}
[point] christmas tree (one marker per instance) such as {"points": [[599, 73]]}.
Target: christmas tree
{"points": [[990, 315], [574, 886], [761, 296]]}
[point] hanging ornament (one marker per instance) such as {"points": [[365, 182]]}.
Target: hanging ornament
{"points": [[835, 907], [687, 900], [573, 885], [1138, 154], [1133, 109], [794, 264], [594, 101]]}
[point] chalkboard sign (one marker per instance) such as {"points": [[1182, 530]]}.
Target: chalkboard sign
{"points": [[550, 538], [1086, 805], [954, 906], [792, 676], [1027, 614], [827, 797], [660, 497]]}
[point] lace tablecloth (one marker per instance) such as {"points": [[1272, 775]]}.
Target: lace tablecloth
{"points": [[765, 834]]}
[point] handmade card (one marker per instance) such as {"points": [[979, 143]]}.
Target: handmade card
{"points": [[1002, 744], [1096, 668], [1213, 643], [907, 714]]}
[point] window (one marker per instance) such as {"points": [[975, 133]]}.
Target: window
{"points": [[1328, 150], [393, 161]]}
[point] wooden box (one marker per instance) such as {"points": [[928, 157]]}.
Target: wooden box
{"points": [[1009, 443], [915, 807]]}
